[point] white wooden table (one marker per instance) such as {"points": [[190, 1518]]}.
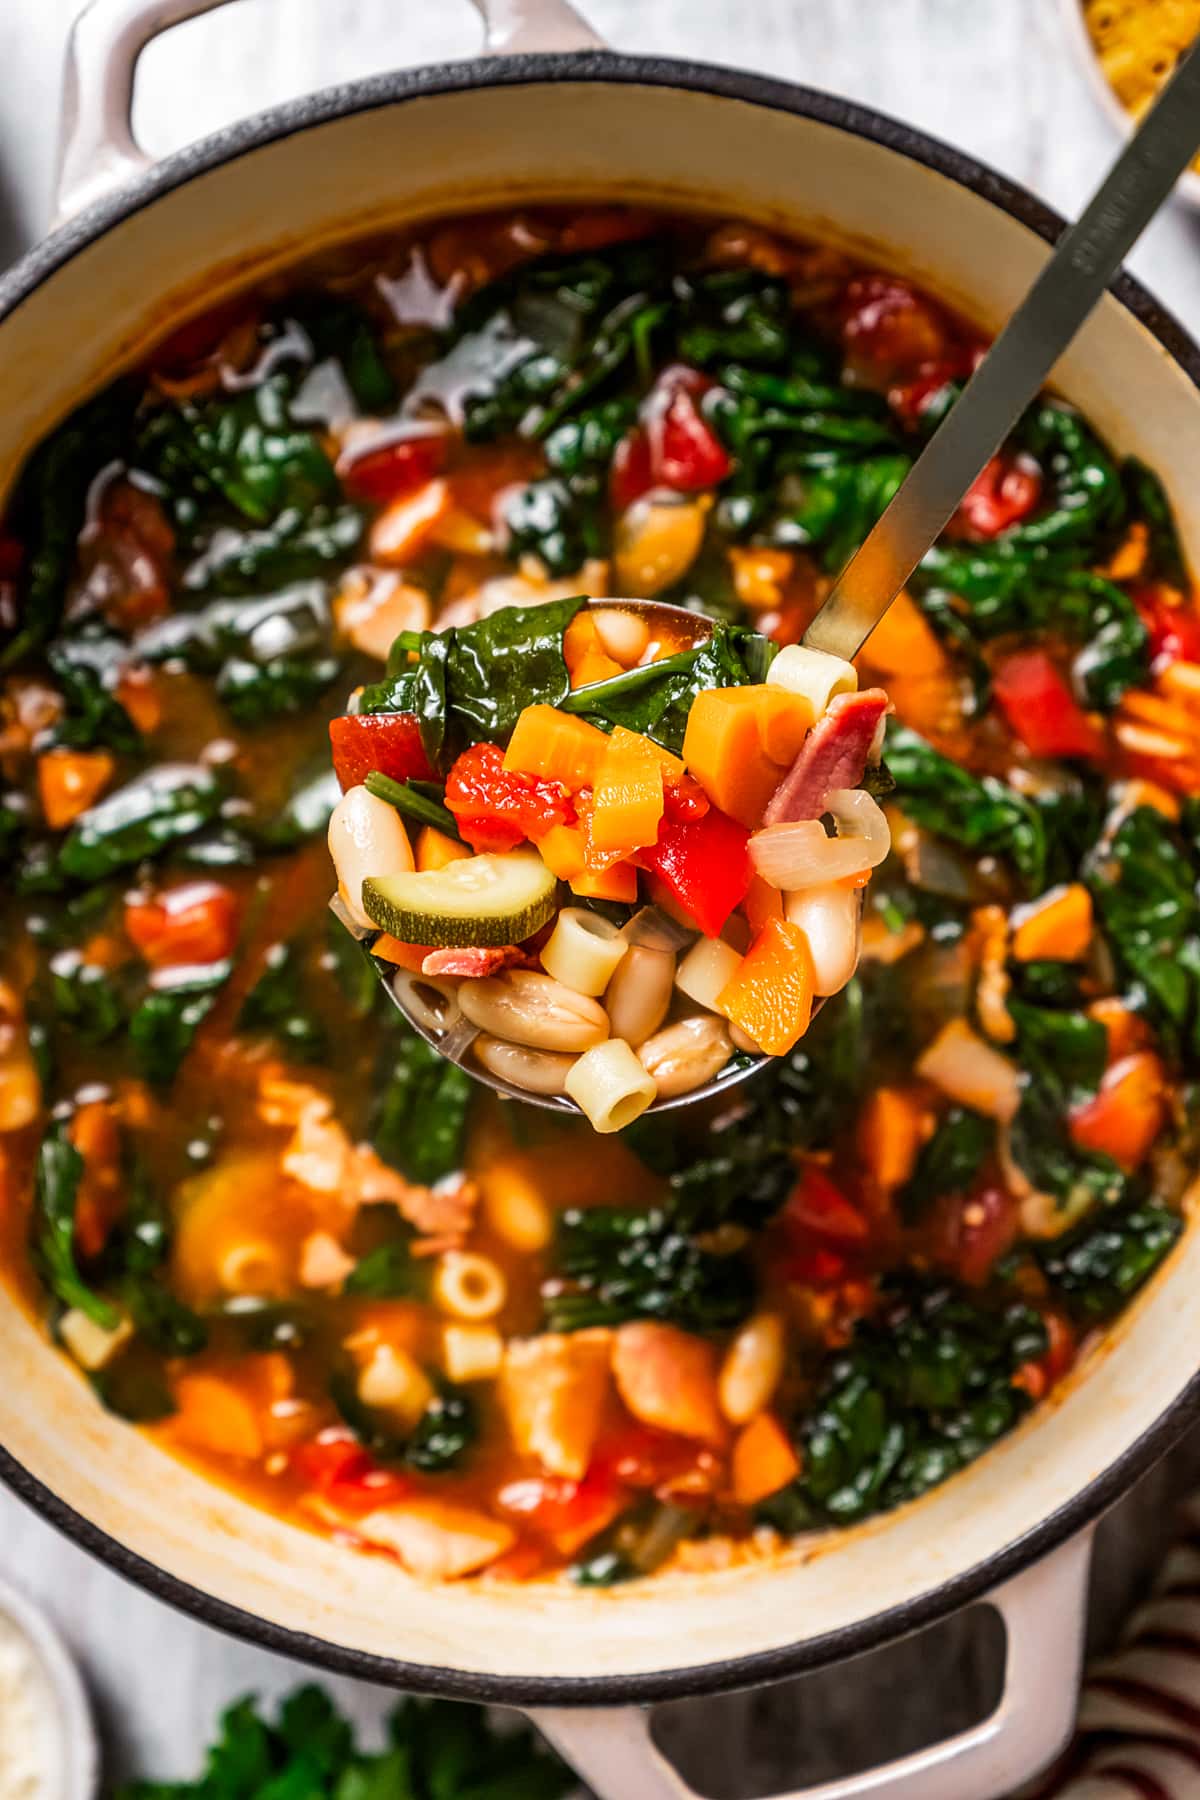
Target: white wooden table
{"points": [[992, 76]]}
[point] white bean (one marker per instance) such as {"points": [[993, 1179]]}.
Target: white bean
{"points": [[623, 634], [527, 1007], [709, 966], [430, 1001], [639, 993], [657, 540], [685, 1055], [752, 1368], [829, 919], [538, 1071], [366, 838]]}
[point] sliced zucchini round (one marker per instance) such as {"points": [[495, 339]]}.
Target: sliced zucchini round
{"points": [[487, 900]]}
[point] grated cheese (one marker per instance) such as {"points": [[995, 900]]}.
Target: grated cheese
{"points": [[22, 1730], [1139, 42]]}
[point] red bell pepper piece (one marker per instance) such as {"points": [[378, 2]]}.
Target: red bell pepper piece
{"points": [[1004, 492], [386, 743], [1041, 709], [1045, 1372], [564, 1512], [386, 471], [1174, 629], [196, 922], [705, 865], [632, 473], [817, 1208], [496, 808], [889, 330], [1126, 1116]]}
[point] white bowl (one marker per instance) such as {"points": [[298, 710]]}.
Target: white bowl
{"points": [[1080, 42], [68, 1753]]}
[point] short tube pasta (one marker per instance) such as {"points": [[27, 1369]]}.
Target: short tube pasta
{"points": [[813, 674], [472, 1352], [469, 1286], [610, 1085], [583, 951], [395, 1382]]}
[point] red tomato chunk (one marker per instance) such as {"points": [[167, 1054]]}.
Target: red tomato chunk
{"points": [[495, 808], [383, 743]]}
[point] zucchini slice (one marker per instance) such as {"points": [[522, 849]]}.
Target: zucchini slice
{"points": [[486, 900]]}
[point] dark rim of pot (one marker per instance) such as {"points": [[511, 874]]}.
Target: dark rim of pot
{"points": [[718, 1675]]}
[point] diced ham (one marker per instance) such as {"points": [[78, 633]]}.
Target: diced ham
{"points": [[554, 1388], [471, 961], [436, 1540], [833, 755]]}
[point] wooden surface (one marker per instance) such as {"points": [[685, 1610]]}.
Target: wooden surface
{"points": [[993, 76]]}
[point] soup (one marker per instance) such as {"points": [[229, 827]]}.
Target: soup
{"points": [[276, 1230]]}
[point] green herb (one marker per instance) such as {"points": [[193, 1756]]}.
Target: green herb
{"points": [[421, 1112], [275, 1006], [1100, 1265], [414, 801], [60, 1169], [163, 1026], [437, 1750], [949, 1163], [148, 815]]}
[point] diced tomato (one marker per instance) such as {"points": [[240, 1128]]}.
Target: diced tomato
{"points": [[385, 471], [674, 446], [1125, 1117], [1174, 627], [599, 226], [338, 1467], [125, 556], [639, 1456], [194, 923], [1004, 492], [820, 1268], [888, 329], [389, 743], [1040, 708], [975, 1230], [632, 473], [196, 339], [567, 1513], [11, 557], [818, 1209], [1045, 1372], [497, 808], [684, 798], [704, 864]]}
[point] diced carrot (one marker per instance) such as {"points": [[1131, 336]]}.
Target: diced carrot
{"points": [[95, 1134], [1055, 928], [762, 902], [784, 721], [627, 804], [620, 882], [1038, 1377], [405, 956], [68, 782], [215, 1413], [723, 749], [1126, 1031], [556, 746], [596, 665], [580, 639], [563, 852], [904, 642], [137, 691], [771, 995], [673, 767], [406, 526], [435, 849], [891, 1130], [763, 1460], [196, 922], [1126, 1116]]}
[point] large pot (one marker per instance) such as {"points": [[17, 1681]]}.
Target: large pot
{"points": [[558, 116]]}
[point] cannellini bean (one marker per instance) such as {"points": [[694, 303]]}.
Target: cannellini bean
{"points": [[709, 966], [685, 1055], [639, 993], [752, 1368], [829, 919], [583, 950], [538, 1071], [657, 540], [366, 837], [527, 1007], [431, 1001], [373, 607], [623, 634]]}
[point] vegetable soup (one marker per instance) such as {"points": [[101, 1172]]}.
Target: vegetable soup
{"points": [[273, 1227]]}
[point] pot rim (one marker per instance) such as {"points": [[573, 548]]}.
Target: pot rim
{"points": [[19, 285]]}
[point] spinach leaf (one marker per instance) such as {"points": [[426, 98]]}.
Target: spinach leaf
{"points": [[832, 509], [1099, 1265], [1147, 501], [979, 813], [306, 814], [1143, 880], [270, 656], [142, 819], [339, 330], [919, 1393], [389, 1272], [1063, 1054], [735, 315], [275, 1006], [557, 521], [132, 1263], [421, 1110], [92, 715], [1066, 1051], [84, 997], [256, 693], [611, 1264], [164, 1025], [48, 508], [949, 1163], [58, 1175], [1086, 498], [300, 543], [133, 1385], [656, 699], [439, 1440]]}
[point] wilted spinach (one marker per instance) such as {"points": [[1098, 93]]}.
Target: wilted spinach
{"points": [[657, 699], [977, 812], [275, 1005], [1100, 1265], [150, 814], [421, 1110], [1143, 879], [164, 1025]]}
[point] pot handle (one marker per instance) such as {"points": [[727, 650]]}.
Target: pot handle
{"points": [[1044, 1612], [97, 148]]}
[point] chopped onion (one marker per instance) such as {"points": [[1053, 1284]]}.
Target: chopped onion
{"points": [[857, 815], [967, 1069], [800, 855]]}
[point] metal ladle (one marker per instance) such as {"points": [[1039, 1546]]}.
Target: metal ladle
{"points": [[1011, 375]]}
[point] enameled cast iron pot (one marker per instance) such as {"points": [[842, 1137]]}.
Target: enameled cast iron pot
{"points": [[558, 116]]}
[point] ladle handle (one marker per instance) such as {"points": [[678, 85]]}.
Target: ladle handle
{"points": [[1089, 254]]}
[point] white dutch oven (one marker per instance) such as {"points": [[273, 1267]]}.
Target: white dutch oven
{"points": [[558, 116]]}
